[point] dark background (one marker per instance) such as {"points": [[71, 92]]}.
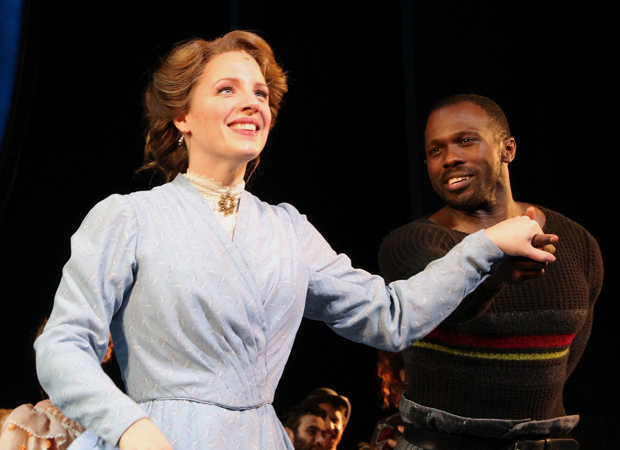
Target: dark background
{"points": [[346, 150]]}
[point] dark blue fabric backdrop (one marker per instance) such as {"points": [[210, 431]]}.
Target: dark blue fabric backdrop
{"points": [[10, 29]]}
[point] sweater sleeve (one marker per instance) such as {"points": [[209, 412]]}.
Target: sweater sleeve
{"points": [[593, 268], [407, 250], [360, 307], [95, 281]]}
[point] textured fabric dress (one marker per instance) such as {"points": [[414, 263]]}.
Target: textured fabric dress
{"points": [[203, 325]]}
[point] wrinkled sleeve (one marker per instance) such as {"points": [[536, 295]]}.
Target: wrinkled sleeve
{"points": [[97, 278], [360, 307], [407, 251]]}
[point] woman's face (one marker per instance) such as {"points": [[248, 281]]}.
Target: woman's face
{"points": [[229, 117]]}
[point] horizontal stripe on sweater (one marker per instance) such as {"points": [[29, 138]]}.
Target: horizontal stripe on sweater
{"points": [[543, 341], [496, 356]]}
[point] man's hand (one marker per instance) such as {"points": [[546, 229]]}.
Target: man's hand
{"points": [[542, 241], [520, 236], [143, 435], [518, 269], [545, 242]]}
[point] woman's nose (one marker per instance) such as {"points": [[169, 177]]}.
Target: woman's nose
{"points": [[250, 102]]}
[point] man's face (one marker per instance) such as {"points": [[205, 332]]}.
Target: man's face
{"points": [[463, 156], [311, 433], [334, 424]]}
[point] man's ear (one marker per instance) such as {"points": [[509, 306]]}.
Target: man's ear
{"points": [[509, 149], [290, 434]]}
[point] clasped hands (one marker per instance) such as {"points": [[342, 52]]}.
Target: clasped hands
{"points": [[529, 249]]}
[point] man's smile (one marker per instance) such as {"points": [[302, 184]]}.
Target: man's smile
{"points": [[457, 180]]}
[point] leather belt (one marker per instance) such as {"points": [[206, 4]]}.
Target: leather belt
{"points": [[435, 440]]}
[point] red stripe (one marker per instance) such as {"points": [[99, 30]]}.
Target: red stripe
{"points": [[535, 341]]}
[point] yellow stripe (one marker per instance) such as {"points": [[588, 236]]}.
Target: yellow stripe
{"points": [[504, 356]]}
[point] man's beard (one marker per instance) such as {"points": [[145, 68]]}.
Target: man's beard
{"points": [[481, 196], [481, 199], [302, 444]]}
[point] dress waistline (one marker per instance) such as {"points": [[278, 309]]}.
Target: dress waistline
{"points": [[205, 402]]}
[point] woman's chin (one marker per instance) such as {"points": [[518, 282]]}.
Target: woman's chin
{"points": [[248, 154]]}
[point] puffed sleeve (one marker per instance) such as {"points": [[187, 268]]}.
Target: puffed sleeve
{"points": [[95, 281], [360, 307]]}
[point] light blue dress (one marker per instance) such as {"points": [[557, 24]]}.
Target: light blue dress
{"points": [[203, 325]]}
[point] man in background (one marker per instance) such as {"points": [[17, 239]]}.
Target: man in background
{"points": [[305, 426], [338, 409], [493, 372]]}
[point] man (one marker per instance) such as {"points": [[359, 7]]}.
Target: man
{"points": [[507, 350], [305, 426], [338, 409]]}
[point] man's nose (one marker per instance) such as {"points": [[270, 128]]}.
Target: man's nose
{"points": [[453, 156]]}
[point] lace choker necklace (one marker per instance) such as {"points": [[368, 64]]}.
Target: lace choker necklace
{"points": [[226, 197]]}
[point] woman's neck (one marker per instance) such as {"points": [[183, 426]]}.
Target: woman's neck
{"points": [[228, 176]]}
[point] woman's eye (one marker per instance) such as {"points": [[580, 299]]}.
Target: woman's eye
{"points": [[225, 90], [261, 93]]}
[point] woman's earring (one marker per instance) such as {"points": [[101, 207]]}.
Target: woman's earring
{"points": [[181, 140]]}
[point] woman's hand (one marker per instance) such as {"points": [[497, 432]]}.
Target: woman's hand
{"points": [[520, 236], [143, 435]]}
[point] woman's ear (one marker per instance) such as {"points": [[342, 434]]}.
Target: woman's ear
{"points": [[181, 124], [509, 149]]}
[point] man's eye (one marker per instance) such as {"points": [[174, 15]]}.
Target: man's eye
{"points": [[467, 140]]}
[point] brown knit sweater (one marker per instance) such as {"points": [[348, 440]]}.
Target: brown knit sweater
{"points": [[502, 354]]}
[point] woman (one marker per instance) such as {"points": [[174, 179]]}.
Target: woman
{"points": [[203, 286]]}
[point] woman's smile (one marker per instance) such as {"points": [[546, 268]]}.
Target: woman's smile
{"points": [[229, 117]]}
